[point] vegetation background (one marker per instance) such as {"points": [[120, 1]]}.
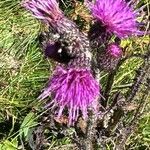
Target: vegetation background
{"points": [[24, 72]]}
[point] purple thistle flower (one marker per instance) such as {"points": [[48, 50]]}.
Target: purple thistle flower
{"points": [[72, 88], [46, 10], [117, 16], [108, 59], [114, 50]]}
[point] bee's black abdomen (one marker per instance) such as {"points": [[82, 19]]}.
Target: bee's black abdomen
{"points": [[56, 52]]}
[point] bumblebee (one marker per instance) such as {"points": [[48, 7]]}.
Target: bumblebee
{"points": [[53, 47]]}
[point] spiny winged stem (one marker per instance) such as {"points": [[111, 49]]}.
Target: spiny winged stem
{"points": [[141, 94], [141, 72]]}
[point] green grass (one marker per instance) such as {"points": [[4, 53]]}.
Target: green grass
{"points": [[24, 72]]}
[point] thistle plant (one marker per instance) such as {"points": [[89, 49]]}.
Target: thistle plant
{"points": [[75, 96], [69, 84]]}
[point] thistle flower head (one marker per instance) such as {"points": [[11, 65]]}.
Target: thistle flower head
{"points": [[46, 10], [114, 50], [117, 16], [74, 89], [108, 59]]}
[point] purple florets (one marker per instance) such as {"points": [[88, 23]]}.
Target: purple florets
{"points": [[114, 50], [117, 16], [75, 89], [46, 10]]}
